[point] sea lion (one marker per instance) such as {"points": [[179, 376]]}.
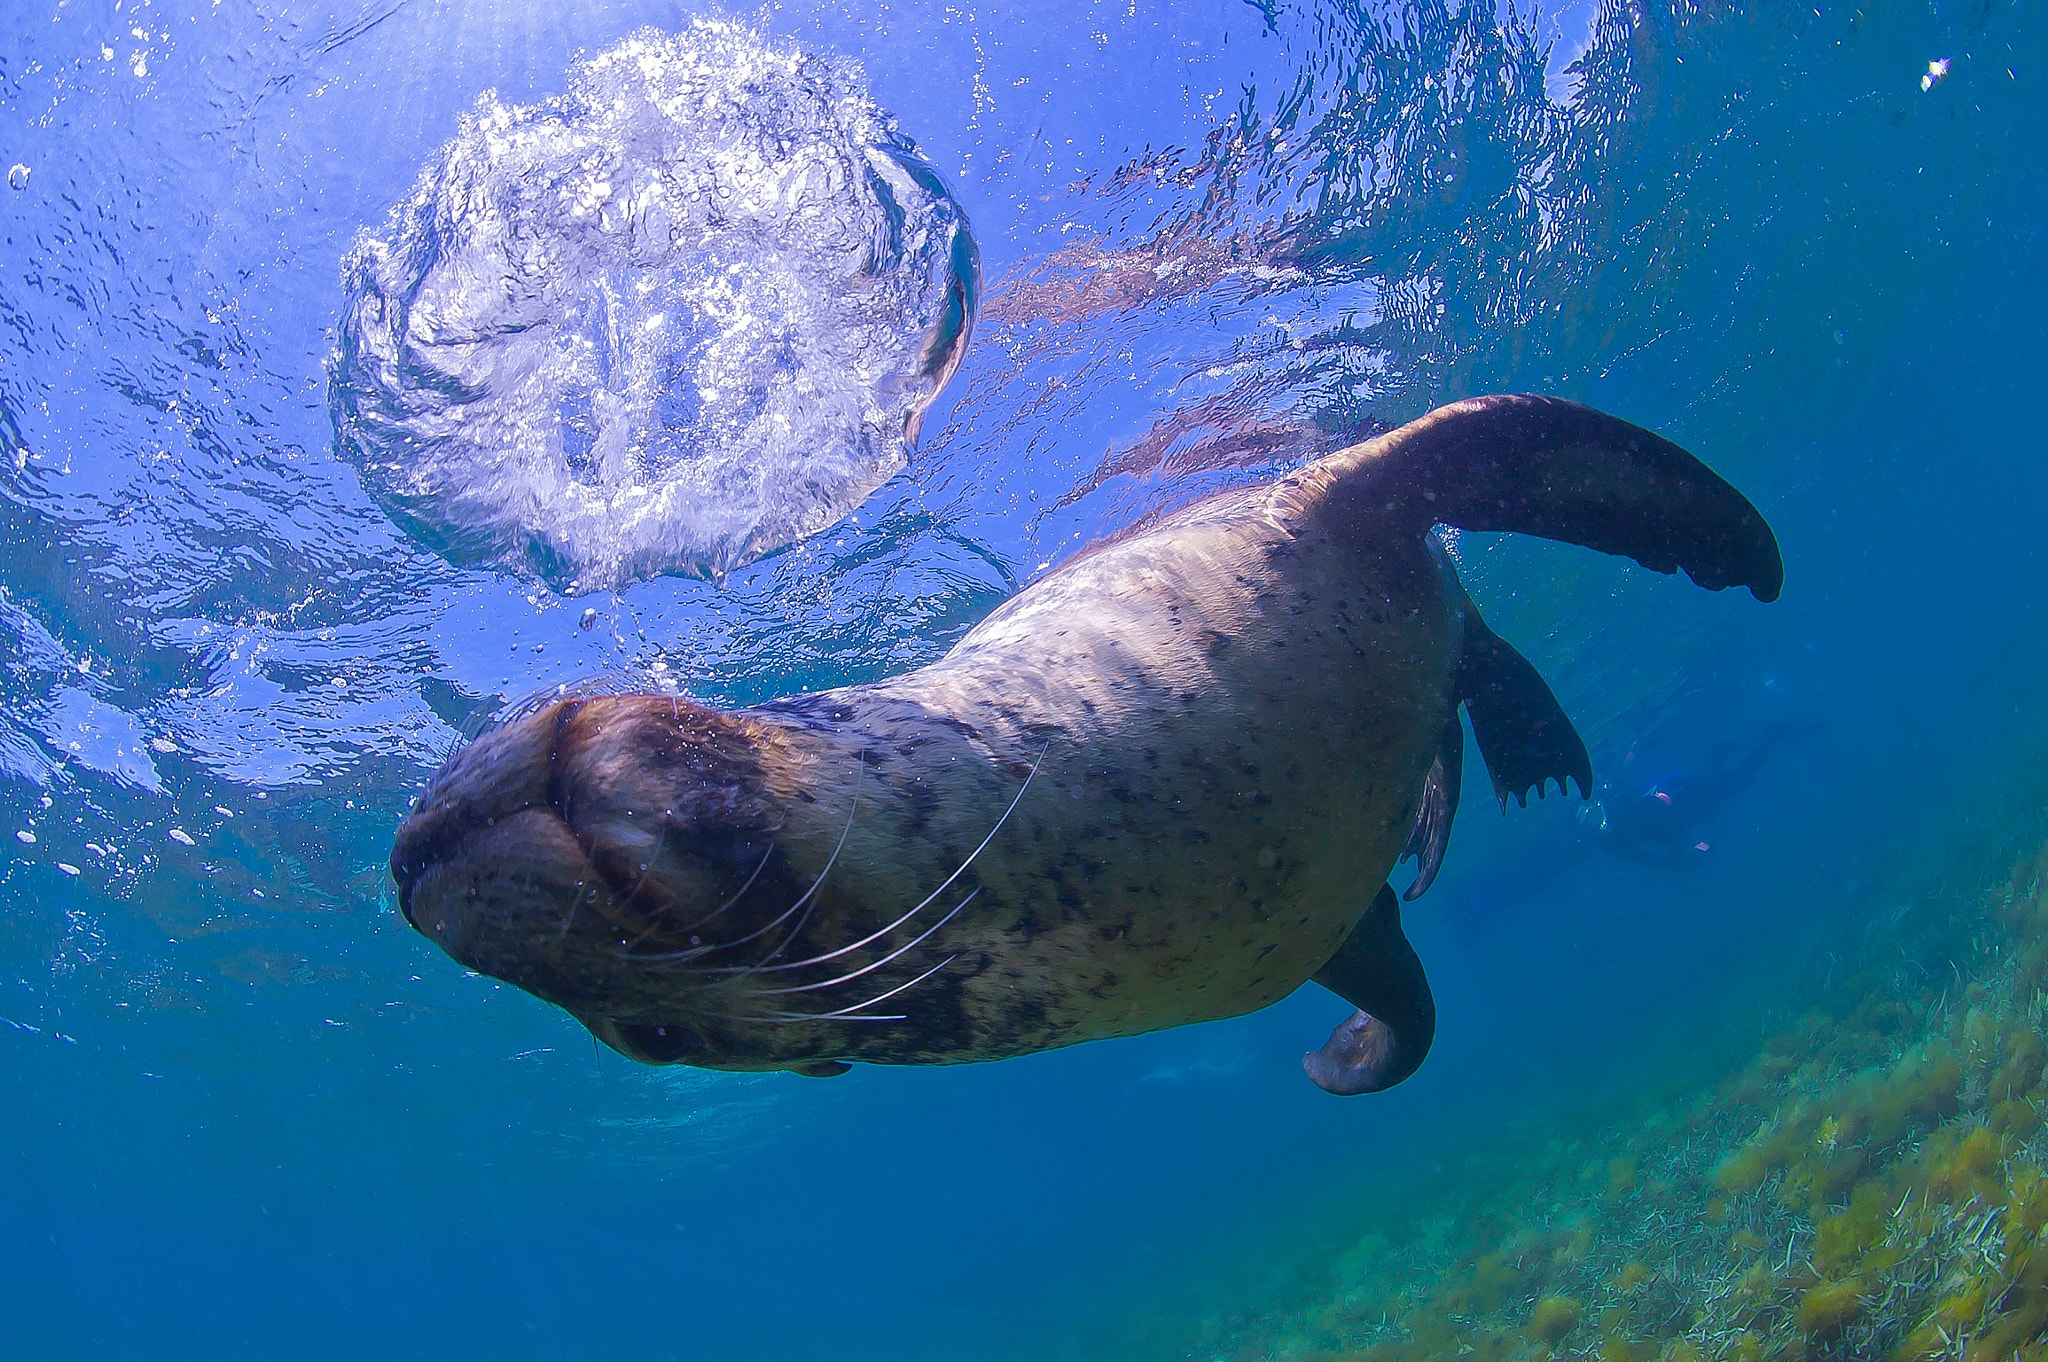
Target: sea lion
{"points": [[1163, 784]]}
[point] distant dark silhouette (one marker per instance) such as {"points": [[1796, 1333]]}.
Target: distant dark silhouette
{"points": [[1663, 823]]}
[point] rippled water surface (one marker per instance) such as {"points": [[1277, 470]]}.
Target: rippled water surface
{"points": [[245, 1111]]}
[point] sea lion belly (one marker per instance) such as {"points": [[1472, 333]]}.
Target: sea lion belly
{"points": [[1229, 724]]}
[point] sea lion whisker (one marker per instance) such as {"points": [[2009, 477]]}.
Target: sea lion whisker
{"points": [[848, 1013], [860, 772], [909, 945], [693, 952], [584, 889], [869, 939], [646, 869], [878, 935], [809, 1017], [884, 997], [805, 898]]}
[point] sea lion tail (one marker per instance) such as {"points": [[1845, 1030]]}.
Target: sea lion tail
{"points": [[1544, 466], [1387, 1038]]}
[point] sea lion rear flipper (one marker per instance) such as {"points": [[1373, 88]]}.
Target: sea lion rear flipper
{"points": [[1432, 831], [1385, 1040], [1524, 734], [1543, 466]]}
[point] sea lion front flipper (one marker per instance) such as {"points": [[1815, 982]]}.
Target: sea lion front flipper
{"points": [[1544, 466], [820, 1068], [1432, 830], [1377, 972], [1524, 735]]}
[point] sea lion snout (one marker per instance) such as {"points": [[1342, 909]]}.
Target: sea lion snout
{"points": [[485, 865], [583, 852], [496, 776]]}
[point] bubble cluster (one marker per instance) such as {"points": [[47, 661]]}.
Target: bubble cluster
{"points": [[678, 317]]}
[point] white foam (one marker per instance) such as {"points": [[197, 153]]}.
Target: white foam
{"points": [[677, 318]]}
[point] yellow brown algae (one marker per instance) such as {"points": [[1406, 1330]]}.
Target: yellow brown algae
{"points": [[1872, 1185]]}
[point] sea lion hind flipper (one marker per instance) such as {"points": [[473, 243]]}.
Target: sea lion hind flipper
{"points": [[1524, 735], [1377, 972], [1432, 830], [1544, 466]]}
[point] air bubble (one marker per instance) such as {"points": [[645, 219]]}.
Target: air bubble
{"points": [[681, 316]]}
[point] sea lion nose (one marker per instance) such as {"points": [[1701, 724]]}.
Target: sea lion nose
{"points": [[406, 866], [405, 884], [430, 834], [500, 774], [518, 900]]}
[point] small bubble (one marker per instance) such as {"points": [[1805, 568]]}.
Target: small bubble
{"points": [[589, 618], [180, 835], [17, 176], [67, 867], [25, 836]]}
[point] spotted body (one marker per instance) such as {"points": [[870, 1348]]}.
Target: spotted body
{"points": [[1164, 784]]}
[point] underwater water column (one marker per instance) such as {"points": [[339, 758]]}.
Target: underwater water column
{"points": [[250, 1113]]}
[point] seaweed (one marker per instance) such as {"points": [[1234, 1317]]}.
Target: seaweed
{"points": [[1872, 1184]]}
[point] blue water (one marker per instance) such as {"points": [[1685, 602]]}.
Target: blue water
{"points": [[246, 1112]]}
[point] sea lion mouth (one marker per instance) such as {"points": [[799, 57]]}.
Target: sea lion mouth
{"points": [[651, 1043]]}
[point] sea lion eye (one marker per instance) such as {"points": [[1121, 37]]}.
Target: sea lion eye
{"points": [[663, 1044]]}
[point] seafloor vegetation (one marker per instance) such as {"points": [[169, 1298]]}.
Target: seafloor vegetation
{"points": [[1871, 1185]]}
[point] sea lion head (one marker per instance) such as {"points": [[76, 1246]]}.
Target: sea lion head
{"points": [[614, 855]]}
